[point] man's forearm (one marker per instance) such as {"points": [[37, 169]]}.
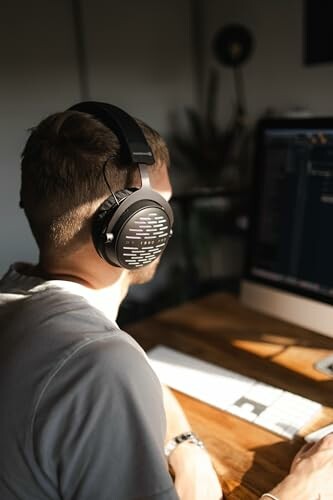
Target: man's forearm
{"points": [[195, 477], [177, 422]]}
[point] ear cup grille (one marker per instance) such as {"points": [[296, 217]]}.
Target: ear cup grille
{"points": [[142, 237]]}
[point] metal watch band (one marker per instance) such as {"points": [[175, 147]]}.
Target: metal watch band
{"points": [[188, 437]]}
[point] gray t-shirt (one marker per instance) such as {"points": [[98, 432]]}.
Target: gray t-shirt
{"points": [[81, 415]]}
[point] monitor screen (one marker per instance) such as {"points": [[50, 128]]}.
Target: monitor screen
{"points": [[291, 237]]}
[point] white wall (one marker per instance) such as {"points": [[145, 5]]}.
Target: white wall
{"points": [[38, 75], [275, 76], [138, 57]]}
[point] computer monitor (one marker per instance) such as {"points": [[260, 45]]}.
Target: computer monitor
{"points": [[289, 266]]}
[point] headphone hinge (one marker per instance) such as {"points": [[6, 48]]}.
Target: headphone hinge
{"points": [[145, 181]]}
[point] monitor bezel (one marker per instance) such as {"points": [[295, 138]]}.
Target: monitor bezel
{"points": [[320, 123]]}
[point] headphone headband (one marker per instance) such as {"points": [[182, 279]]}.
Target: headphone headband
{"points": [[134, 146]]}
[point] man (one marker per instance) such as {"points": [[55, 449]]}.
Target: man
{"points": [[82, 414]]}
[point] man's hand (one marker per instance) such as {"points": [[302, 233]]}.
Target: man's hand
{"points": [[311, 473], [195, 477]]}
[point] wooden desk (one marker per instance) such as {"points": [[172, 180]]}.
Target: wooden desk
{"points": [[249, 460]]}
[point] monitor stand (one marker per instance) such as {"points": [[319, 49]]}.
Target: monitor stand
{"points": [[302, 311]]}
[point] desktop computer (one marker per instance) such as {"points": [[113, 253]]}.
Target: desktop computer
{"points": [[289, 272], [289, 265]]}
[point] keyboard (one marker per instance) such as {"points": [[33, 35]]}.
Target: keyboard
{"points": [[274, 409]]}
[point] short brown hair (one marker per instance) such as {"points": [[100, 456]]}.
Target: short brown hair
{"points": [[62, 175]]}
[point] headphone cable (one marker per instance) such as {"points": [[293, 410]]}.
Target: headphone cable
{"points": [[106, 181]]}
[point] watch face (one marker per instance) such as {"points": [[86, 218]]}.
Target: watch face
{"points": [[189, 437]]}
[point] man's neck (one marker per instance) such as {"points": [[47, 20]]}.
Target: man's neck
{"points": [[108, 284]]}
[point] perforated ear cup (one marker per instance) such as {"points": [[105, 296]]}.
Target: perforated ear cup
{"points": [[135, 232]]}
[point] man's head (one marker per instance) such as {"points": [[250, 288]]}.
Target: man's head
{"points": [[63, 181]]}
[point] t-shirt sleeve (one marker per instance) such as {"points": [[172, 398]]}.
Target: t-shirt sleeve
{"points": [[99, 428]]}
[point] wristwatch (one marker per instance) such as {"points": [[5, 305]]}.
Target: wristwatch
{"points": [[189, 437]]}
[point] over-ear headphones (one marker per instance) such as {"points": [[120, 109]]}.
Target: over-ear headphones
{"points": [[132, 227]]}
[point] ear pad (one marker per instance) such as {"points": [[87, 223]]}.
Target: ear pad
{"points": [[135, 232], [103, 215]]}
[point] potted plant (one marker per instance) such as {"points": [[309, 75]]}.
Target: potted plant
{"points": [[219, 157]]}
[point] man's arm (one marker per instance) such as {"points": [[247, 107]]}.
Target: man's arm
{"points": [[311, 474], [195, 477]]}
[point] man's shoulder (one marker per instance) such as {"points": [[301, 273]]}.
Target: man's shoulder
{"points": [[101, 359], [113, 354], [103, 372], [71, 335], [56, 336], [51, 310]]}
